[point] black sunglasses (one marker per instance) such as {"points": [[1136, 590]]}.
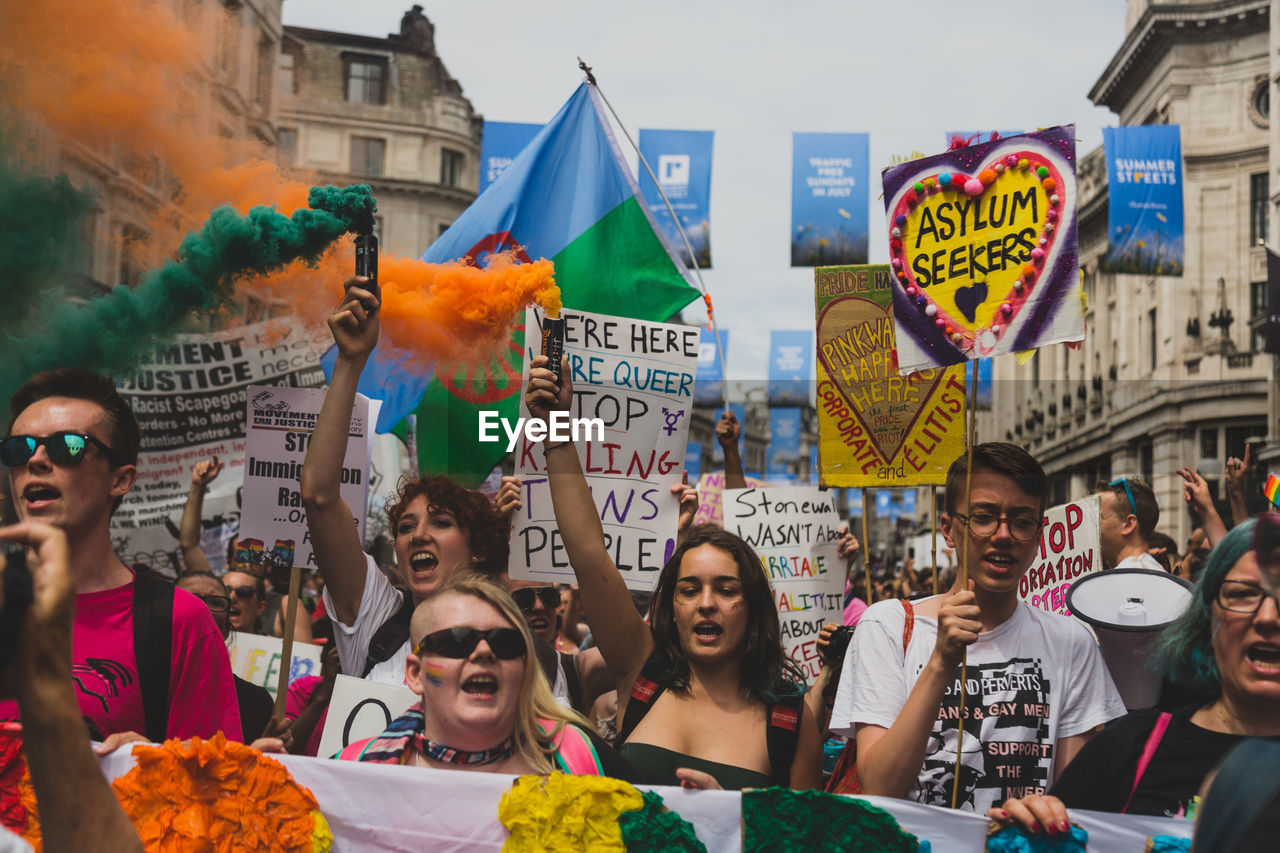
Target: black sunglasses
{"points": [[460, 641], [216, 603], [64, 448], [244, 592], [527, 597]]}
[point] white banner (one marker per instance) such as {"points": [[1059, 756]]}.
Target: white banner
{"points": [[796, 532], [359, 709], [1068, 551], [280, 425], [256, 659], [637, 378], [189, 399]]}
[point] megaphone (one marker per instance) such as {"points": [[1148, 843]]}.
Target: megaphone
{"points": [[1125, 608]]}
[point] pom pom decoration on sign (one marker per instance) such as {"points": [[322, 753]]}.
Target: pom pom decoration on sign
{"points": [[982, 243]]}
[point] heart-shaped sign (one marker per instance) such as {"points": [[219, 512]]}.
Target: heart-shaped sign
{"points": [[972, 239], [856, 348]]}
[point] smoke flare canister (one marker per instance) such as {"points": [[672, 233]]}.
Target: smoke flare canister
{"points": [[367, 260], [553, 343]]}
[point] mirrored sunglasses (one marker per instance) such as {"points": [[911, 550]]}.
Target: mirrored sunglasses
{"points": [[64, 448]]}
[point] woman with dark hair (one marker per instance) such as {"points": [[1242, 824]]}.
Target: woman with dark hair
{"points": [[707, 697], [1226, 647], [441, 529]]}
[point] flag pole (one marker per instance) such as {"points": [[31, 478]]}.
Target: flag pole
{"points": [[933, 527], [964, 579], [866, 546], [697, 272]]}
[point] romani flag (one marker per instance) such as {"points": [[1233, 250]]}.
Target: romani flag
{"points": [[570, 197]]}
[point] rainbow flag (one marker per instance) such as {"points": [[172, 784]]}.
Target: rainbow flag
{"points": [[1272, 489], [570, 197]]}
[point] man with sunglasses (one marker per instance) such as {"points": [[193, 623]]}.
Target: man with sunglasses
{"points": [[1128, 515], [147, 659], [1035, 684]]}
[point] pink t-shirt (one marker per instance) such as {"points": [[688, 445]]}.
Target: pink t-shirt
{"points": [[202, 694], [297, 700]]}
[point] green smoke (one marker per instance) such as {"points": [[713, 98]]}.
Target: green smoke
{"points": [[111, 334], [354, 205]]}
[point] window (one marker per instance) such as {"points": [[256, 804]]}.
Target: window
{"points": [[366, 79], [1151, 322], [1257, 299], [451, 167], [264, 78], [284, 73], [368, 155], [1146, 461], [132, 255], [1259, 208], [1035, 370], [288, 146], [441, 228]]}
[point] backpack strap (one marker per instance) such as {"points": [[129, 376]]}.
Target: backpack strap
{"points": [[390, 636], [575, 754], [1148, 750], [909, 626], [573, 682], [152, 650], [783, 734], [644, 692]]}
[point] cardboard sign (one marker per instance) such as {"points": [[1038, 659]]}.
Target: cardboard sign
{"points": [[360, 709], [711, 497], [636, 377], [982, 242], [280, 424], [189, 399], [875, 426], [795, 530], [256, 659], [1069, 550]]}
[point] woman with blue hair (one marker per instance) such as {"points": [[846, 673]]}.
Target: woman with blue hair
{"points": [[1226, 647]]}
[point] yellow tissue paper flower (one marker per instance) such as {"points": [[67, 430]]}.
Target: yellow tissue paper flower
{"points": [[566, 814]]}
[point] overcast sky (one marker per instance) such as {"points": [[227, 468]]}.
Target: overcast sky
{"points": [[753, 71]]}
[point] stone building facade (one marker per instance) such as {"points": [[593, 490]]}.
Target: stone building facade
{"points": [[1171, 373]]}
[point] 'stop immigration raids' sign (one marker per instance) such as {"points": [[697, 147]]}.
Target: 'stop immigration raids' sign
{"points": [[1069, 550], [636, 377], [281, 421], [877, 427], [982, 241], [796, 532]]}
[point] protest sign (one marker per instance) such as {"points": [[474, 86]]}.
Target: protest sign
{"points": [[281, 422], [795, 530], [711, 497], [1069, 550], [189, 399], [829, 198], [875, 426], [256, 659], [982, 241], [632, 388], [359, 709], [1144, 199]]}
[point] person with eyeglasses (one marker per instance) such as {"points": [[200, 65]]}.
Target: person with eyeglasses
{"points": [[486, 706], [1127, 517], [1036, 685], [147, 659], [1225, 647]]}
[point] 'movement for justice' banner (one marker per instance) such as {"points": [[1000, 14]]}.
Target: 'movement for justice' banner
{"points": [[637, 377], [503, 140], [682, 161], [1144, 208], [796, 531], [790, 366], [982, 241], [189, 399], [875, 426], [829, 198]]}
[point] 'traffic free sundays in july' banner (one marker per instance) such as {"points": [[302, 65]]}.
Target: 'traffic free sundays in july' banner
{"points": [[635, 376], [796, 532], [875, 426], [982, 242]]}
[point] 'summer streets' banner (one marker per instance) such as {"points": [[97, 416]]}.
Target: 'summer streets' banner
{"points": [[682, 161], [636, 377], [796, 532], [829, 198], [1144, 207], [189, 399], [875, 426], [982, 242], [502, 142]]}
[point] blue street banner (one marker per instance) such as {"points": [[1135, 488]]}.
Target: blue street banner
{"points": [[1144, 186], [813, 465], [503, 140], [682, 161], [909, 502], [708, 387], [790, 367], [693, 460], [829, 186], [740, 412], [985, 382], [784, 445]]}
